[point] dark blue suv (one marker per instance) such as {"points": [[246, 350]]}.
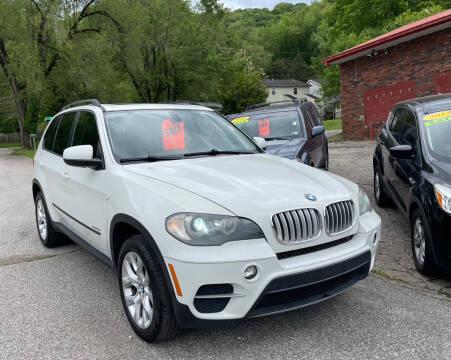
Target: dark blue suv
{"points": [[292, 129]]}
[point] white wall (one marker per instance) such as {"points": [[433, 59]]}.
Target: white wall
{"points": [[280, 91]]}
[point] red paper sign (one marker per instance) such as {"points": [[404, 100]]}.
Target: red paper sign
{"points": [[173, 134], [263, 127]]}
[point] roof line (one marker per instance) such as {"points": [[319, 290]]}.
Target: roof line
{"points": [[397, 34]]}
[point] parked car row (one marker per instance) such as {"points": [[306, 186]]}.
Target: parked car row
{"points": [[204, 228]]}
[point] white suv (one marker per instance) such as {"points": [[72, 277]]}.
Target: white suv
{"points": [[203, 227]]}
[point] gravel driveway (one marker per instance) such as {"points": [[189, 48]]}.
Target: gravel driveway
{"points": [[354, 160]]}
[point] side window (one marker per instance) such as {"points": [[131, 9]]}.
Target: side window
{"points": [[397, 124], [49, 136], [318, 116], [63, 133], [273, 91], [410, 132], [307, 122], [314, 119], [86, 133]]}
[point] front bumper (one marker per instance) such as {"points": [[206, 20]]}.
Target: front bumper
{"points": [[280, 285]]}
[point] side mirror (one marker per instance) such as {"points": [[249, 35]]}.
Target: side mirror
{"points": [[401, 152], [81, 156], [261, 143], [318, 130]]}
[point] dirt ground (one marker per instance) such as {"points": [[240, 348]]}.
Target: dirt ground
{"points": [[353, 160]]}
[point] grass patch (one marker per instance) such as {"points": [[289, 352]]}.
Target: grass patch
{"points": [[25, 152], [9, 145], [335, 139], [334, 124]]}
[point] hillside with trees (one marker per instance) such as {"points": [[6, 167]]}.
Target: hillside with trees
{"points": [[53, 52]]}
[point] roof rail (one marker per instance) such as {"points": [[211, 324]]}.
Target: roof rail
{"points": [[93, 102], [257, 106]]}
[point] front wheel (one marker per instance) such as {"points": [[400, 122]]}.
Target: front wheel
{"points": [[421, 240], [144, 293]]}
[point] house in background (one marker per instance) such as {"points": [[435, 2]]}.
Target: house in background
{"points": [[408, 62], [279, 89]]}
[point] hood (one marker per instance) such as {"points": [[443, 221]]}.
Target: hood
{"points": [[285, 148], [442, 171], [248, 184]]}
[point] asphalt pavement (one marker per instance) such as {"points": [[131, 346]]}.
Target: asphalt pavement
{"points": [[64, 303]]}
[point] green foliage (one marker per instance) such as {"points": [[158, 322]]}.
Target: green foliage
{"points": [[57, 51]]}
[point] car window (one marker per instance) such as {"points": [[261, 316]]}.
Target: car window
{"points": [[410, 131], [86, 133], [63, 133], [49, 136], [307, 122], [316, 112], [271, 125], [397, 124], [141, 133], [313, 117]]}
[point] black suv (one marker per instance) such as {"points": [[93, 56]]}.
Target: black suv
{"points": [[412, 168], [292, 129]]}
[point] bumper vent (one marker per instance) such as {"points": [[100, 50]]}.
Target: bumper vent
{"points": [[339, 216], [297, 225], [213, 298]]}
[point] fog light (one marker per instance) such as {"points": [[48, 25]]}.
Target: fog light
{"points": [[250, 272]]}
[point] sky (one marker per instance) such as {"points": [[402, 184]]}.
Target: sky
{"points": [[241, 4]]}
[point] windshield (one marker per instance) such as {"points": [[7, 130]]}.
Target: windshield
{"points": [[172, 134], [438, 134], [282, 124]]}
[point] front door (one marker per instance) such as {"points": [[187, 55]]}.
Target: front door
{"points": [[85, 195], [390, 139], [407, 171]]}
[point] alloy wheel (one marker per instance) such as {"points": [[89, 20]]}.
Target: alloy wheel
{"points": [[137, 291], [419, 240], [41, 219], [377, 185]]}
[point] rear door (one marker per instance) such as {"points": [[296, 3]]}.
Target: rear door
{"points": [[84, 190], [55, 165]]}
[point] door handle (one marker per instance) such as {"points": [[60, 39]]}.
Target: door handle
{"points": [[66, 176], [411, 181], [41, 163]]}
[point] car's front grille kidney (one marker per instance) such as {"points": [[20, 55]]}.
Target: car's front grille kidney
{"points": [[297, 225], [339, 216]]}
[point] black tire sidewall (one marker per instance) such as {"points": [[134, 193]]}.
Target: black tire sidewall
{"points": [[137, 244], [428, 267]]}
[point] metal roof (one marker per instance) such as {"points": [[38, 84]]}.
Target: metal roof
{"points": [[405, 33], [284, 83]]}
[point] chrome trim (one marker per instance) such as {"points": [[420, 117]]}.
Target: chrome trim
{"points": [[295, 226], [339, 217], [234, 295]]}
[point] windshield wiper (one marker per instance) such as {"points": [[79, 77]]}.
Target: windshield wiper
{"points": [[278, 138], [149, 159], [214, 152]]}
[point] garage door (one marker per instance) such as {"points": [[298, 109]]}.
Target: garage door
{"points": [[379, 101]]}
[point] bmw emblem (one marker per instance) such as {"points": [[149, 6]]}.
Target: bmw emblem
{"points": [[311, 197]]}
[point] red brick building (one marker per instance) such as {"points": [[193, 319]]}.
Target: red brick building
{"points": [[411, 61]]}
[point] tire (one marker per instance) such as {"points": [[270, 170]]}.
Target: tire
{"points": [[421, 241], [47, 234], [326, 161], [380, 194], [156, 321]]}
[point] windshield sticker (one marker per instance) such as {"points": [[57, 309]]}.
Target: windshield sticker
{"points": [[437, 118], [241, 120], [263, 127], [173, 134]]}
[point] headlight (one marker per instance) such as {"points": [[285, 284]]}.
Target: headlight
{"points": [[208, 230], [364, 202], [443, 195]]}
